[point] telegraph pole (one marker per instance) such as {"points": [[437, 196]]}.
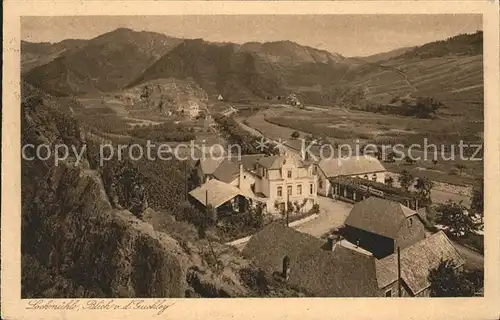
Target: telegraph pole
{"points": [[185, 181], [399, 273], [205, 224], [287, 203]]}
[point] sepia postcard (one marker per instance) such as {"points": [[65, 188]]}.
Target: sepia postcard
{"points": [[260, 160]]}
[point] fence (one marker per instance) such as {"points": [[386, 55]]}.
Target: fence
{"points": [[352, 191]]}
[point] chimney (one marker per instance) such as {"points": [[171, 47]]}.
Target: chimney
{"points": [[332, 241], [240, 180]]}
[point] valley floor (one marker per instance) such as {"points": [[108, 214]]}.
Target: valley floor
{"points": [[448, 187]]}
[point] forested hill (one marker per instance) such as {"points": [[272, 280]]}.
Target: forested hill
{"points": [[463, 44]]}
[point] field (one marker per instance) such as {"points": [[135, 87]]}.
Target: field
{"points": [[357, 128], [457, 81], [112, 117]]}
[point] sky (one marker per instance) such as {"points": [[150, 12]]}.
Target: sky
{"points": [[349, 35]]}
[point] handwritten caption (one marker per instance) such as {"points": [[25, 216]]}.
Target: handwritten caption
{"points": [[158, 306]]}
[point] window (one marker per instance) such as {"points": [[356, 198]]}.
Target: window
{"points": [[280, 191], [282, 207], [289, 174], [388, 293], [311, 188], [410, 222], [299, 189], [289, 190], [321, 184]]}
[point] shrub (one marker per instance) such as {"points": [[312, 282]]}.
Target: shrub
{"points": [[314, 209]]}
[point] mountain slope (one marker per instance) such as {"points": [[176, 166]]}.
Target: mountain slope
{"points": [[105, 63], [462, 44], [386, 55], [251, 69], [38, 54], [450, 71]]}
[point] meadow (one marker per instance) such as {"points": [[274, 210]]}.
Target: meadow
{"points": [[341, 126]]}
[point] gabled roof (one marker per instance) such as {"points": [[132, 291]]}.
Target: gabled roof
{"points": [[227, 171], [379, 216], [248, 160], [339, 273], [272, 162], [209, 165], [417, 261], [218, 193], [333, 167], [276, 162]]}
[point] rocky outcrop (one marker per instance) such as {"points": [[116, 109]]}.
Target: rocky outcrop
{"points": [[76, 244]]}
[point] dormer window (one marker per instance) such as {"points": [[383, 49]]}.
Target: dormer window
{"points": [[410, 222], [289, 174]]}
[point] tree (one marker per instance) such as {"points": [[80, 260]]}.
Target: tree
{"points": [[405, 180], [455, 219], [460, 167], [409, 160], [424, 187], [389, 181], [391, 157], [477, 201], [447, 281], [424, 107], [295, 135]]}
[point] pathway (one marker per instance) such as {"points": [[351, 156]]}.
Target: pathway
{"points": [[332, 215]]}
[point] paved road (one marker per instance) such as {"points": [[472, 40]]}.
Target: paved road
{"points": [[332, 215], [439, 196], [473, 259]]}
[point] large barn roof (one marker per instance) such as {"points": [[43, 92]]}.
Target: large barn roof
{"points": [[334, 167], [342, 272], [417, 261]]}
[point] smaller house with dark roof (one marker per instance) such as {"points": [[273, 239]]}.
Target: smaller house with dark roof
{"points": [[380, 226], [365, 167], [314, 266], [416, 261]]}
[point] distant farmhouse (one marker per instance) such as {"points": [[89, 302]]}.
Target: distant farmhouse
{"points": [[293, 100], [365, 167], [189, 108], [338, 267], [229, 111], [274, 181]]}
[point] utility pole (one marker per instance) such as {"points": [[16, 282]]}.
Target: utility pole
{"points": [[399, 273], [185, 181], [287, 203], [205, 222]]}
